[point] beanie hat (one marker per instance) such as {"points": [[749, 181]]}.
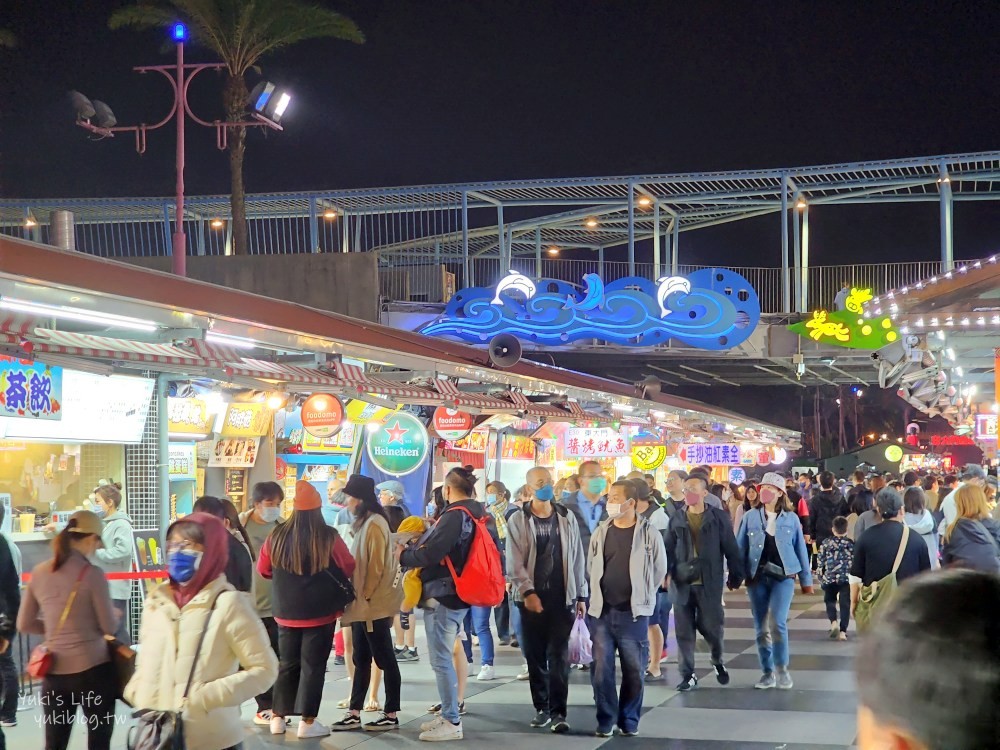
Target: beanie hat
{"points": [[306, 496]]}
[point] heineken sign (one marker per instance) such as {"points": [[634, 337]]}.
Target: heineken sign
{"points": [[400, 445]]}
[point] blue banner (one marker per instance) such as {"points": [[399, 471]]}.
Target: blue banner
{"points": [[30, 390]]}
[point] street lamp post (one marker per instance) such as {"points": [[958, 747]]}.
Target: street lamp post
{"points": [[180, 76]]}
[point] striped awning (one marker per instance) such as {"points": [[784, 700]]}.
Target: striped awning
{"points": [[582, 414], [259, 369], [357, 380], [47, 341], [454, 396], [547, 411]]}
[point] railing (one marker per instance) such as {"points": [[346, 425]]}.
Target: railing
{"points": [[424, 282]]}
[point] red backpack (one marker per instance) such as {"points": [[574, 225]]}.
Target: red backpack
{"points": [[481, 583]]}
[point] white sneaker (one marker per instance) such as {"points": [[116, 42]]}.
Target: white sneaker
{"points": [[261, 718], [316, 729], [523, 675], [443, 732], [427, 725], [487, 673], [277, 725]]}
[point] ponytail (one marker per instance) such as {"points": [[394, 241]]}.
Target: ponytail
{"points": [[62, 545]]}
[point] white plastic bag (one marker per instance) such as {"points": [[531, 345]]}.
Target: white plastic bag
{"points": [[580, 646]]}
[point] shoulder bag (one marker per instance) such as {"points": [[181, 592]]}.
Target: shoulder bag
{"points": [[875, 597], [40, 661], [164, 730]]}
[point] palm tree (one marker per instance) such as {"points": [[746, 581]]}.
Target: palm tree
{"points": [[240, 32], [7, 39]]}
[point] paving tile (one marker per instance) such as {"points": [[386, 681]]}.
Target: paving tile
{"points": [[812, 728]]}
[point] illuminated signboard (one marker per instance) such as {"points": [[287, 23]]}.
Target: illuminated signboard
{"points": [[847, 327], [30, 390], [712, 308], [696, 454], [986, 427]]}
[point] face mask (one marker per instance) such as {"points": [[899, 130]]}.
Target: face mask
{"points": [[692, 498], [491, 499], [99, 511], [182, 564], [596, 485], [430, 510], [802, 484], [545, 494], [614, 510], [269, 515], [566, 494]]}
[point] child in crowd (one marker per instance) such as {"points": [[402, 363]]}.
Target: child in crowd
{"points": [[835, 556]]}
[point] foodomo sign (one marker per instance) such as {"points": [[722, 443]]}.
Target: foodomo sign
{"points": [[400, 445], [451, 424]]}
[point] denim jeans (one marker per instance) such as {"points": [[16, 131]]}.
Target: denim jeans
{"points": [[768, 595], [442, 626], [481, 627], [618, 631]]}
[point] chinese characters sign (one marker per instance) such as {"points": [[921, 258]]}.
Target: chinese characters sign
{"points": [[518, 447], [30, 390], [588, 442], [182, 462], [718, 454], [246, 420], [189, 416], [986, 427]]}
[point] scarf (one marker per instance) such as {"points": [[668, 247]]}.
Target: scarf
{"points": [[499, 510], [213, 560]]}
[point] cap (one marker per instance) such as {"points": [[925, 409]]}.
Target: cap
{"points": [[973, 471], [306, 496], [361, 487], [889, 502], [774, 479], [393, 485], [86, 522]]}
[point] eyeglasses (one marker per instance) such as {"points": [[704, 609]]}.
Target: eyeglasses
{"points": [[178, 546]]}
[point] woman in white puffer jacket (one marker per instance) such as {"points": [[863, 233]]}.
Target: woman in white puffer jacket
{"points": [[235, 662]]}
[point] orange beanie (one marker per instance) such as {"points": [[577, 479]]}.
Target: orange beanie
{"points": [[306, 496]]}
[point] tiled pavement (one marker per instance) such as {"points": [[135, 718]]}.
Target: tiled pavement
{"points": [[817, 713]]}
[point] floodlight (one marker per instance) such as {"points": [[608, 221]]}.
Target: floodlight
{"points": [[103, 115], [82, 106], [269, 101]]}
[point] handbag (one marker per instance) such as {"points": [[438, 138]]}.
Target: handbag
{"points": [[164, 730], [874, 597], [688, 572], [40, 661]]}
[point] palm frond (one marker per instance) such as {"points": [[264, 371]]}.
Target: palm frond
{"points": [[143, 16], [7, 39]]}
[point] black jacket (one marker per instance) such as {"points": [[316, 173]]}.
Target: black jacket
{"points": [[715, 541], [859, 499], [824, 507], [10, 592], [239, 568], [451, 537]]}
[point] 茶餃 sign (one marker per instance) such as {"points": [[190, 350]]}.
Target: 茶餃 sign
{"points": [[400, 445], [452, 424], [30, 390], [322, 415]]}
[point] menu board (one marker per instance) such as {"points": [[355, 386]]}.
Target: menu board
{"points": [[234, 453]]}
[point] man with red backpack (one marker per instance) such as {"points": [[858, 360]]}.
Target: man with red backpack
{"points": [[460, 567]]}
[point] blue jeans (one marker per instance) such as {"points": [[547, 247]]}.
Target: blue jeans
{"points": [[481, 627], [617, 631], [442, 626], [767, 595], [515, 625]]}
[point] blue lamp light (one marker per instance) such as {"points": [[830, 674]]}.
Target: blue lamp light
{"points": [[179, 32]]}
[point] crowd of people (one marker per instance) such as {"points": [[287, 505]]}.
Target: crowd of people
{"points": [[253, 600]]}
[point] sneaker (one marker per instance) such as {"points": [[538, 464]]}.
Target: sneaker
{"points": [[382, 724], [523, 675], [559, 725], [650, 677], [427, 725], [442, 732], [487, 673], [664, 657], [604, 732], [691, 683], [436, 709], [338, 661], [834, 630], [412, 654], [541, 719], [405, 655], [277, 725], [261, 718], [514, 643], [841, 637], [8, 723], [350, 721], [766, 681], [785, 680], [504, 641], [721, 674], [626, 733], [308, 731], [584, 667]]}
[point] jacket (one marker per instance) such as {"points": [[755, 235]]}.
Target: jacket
{"points": [[235, 664], [588, 514], [10, 586], [923, 524], [788, 537], [304, 601], [239, 568], [118, 552], [647, 565], [835, 557], [865, 521], [971, 545], [450, 537], [823, 508], [375, 572], [715, 541], [521, 551], [860, 499]]}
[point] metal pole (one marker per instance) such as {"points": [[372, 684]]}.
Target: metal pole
{"points": [[656, 240], [163, 454], [786, 292], [600, 262], [796, 255], [631, 229], [675, 246], [504, 263], [345, 233], [805, 259], [313, 226], [179, 260], [467, 280], [947, 248], [538, 252]]}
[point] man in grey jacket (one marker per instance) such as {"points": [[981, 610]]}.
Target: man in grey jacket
{"points": [[545, 565], [627, 564]]}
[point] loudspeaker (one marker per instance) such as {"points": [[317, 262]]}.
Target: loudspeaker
{"points": [[505, 350]]}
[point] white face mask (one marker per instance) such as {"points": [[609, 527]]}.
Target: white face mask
{"points": [[614, 510], [269, 514]]}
